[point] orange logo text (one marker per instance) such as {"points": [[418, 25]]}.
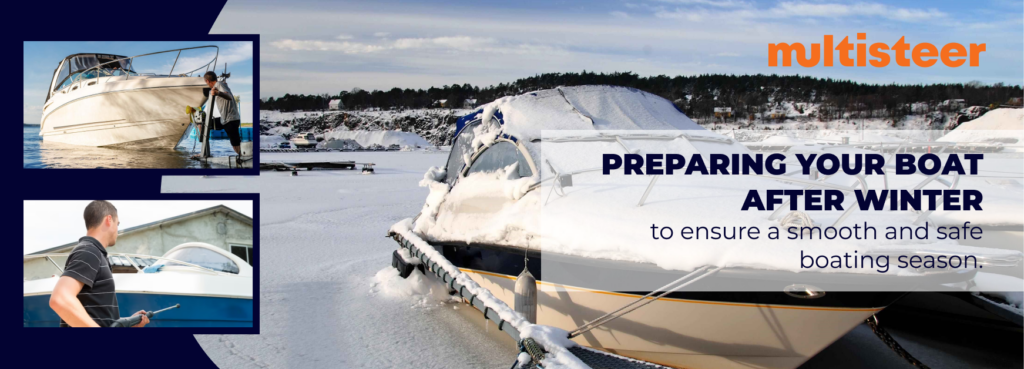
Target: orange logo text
{"points": [[923, 54]]}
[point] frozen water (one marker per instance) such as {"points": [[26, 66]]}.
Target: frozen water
{"points": [[48, 154], [327, 298]]}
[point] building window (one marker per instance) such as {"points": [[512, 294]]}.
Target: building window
{"points": [[243, 251]]}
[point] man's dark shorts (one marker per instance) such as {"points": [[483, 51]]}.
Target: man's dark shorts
{"points": [[232, 129]]}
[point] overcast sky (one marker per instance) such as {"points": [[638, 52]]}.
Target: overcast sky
{"points": [[54, 223], [41, 58], [326, 47]]}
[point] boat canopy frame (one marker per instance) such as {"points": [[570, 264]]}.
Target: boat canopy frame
{"points": [[501, 138], [471, 121], [83, 74]]}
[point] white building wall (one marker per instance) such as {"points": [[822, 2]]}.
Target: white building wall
{"points": [[217, 229]]}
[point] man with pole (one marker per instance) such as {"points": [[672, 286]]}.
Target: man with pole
{"points": [[84, 295], [229, 120]]}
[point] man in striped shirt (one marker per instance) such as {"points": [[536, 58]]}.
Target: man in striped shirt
{"points": [[84, 295]]}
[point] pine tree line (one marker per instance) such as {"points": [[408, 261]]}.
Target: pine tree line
{"points": [[697, 96]]}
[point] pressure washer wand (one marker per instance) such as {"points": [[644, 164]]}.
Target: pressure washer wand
{"points": [[136, 319]]}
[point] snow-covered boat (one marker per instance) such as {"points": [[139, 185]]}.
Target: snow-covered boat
{"points": [[1001, 128], [101, 100], [304, 141], [213, 286], [499, 200], [989, 299]]}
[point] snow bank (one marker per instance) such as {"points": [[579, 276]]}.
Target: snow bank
{"points": [[383, 138], [422, 291], [271, 142], [994, 125], [280, 130], [344, 143]]}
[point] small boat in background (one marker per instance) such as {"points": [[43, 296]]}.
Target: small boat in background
{"points": [[101, 100], [213, 286], [304, 141]]}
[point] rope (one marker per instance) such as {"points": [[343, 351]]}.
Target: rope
{"points": [[891, 342], [532, 348], [667, 290]]}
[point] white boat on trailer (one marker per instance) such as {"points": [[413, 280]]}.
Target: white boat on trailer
{"points": [[484, 214], [101, 100]]}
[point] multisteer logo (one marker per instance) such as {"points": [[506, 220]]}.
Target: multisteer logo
{"points": [[923, 54]]}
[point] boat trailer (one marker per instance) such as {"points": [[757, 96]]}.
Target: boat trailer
{"points": [[490, 306]]}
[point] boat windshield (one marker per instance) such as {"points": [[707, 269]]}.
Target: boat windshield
{"points": [[109, 65], [204, 258], [310, 137]]}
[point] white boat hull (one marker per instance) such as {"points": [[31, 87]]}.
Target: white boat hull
{"points": [[688, 333], [115, 111], [303, 143], [207, 300]]}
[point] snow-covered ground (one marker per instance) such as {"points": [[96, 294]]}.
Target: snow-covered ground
{"points": [[328, 297]]}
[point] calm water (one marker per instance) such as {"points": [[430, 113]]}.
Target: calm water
{"points": [[39, 154]]}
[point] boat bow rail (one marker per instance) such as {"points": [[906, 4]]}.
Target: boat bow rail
{"points": [[509, 321], [131, 61]]}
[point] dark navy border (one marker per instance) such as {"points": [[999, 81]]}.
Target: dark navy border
{"points": [[169, 347], [135, 172], [62, 20], [255, 198]]}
